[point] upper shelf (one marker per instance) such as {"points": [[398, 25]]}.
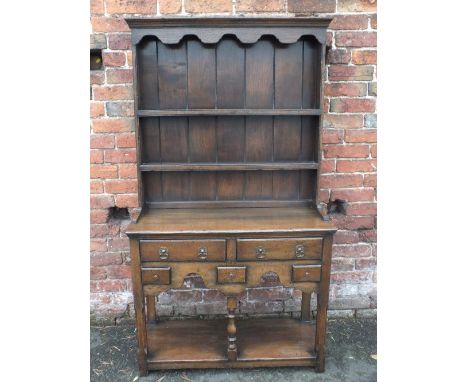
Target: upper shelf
{"points": [[226, 112], [211, 30]]}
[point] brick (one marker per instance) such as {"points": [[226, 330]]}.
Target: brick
{"points": [[345, 89], [208, 6], [373, 21], [350, 73], [350, 22], [97, 273], [114, 59], [361, 136], [356, 39], [364, 57], [338, 56], [119, 244], [327, 166], [373, 151], [343, 313], [354, 195], [361, 209], [351, 277], [352, 250], [108, 286], [97, 7], [101, 201], [96, 77], [96, 156], [129, 55], [346, 151], [368, 235], [354, 302], [332, 136], [127, 171], [165, 310], [217, 308], [180, 296], [123, 201], [259, 5], [370, 180], [357, 5], [372, 89], [329, 40], [99, 216], [119, 272], [104, 172], [119, 76], [370, 121], [96, 187], [342, 265], [311, 6], [341, 180], [109, 24], [130, 6], [354, 222], [121, 41], [346, 237], [96, 109], [352, 105], [342, 121], [213, 295], [104, 259], [120, 186], [324, 196], [366, 313], [119, 109], [97, 245], [170, 6], [102, 141], [268, 294], [120, 156], [125, 140], [121, 125], [259, 307], [367, 165], [366, 264]]}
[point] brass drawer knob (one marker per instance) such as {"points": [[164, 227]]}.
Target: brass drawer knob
{"points": [[260, 252], [203, 253], [231, 275], [163, 253], [307, 273], [300, 251], [156, 277]]}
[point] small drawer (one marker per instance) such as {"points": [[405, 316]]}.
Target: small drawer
{"points": [[156, 276], [302, 273], [279, 249], [231, 275], [183, 250]]}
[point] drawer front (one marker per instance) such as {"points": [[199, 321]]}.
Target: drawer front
{"points": [[279, 249], [183, 250], [156, 276], [306, 273], [231, 275]]}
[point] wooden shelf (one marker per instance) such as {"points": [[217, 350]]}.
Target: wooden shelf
{"points": [[251, 166], [226, 112], [203, 343]]}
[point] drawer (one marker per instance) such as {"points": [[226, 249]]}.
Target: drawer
{"points": [[183, 250], [306, 273], [231, 275], [156, 276], [279, 249]]}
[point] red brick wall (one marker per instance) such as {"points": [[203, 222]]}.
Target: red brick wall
{"points": [[348, 171]]}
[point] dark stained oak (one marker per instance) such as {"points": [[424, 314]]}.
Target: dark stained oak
{"points": [[228, 127]]}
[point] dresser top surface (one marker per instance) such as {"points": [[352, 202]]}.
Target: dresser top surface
{"points": [[229, 220]]}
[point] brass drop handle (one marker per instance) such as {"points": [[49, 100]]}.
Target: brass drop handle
{"points": [[203, 253], [163, 253], [260, 252], [300, 251]]}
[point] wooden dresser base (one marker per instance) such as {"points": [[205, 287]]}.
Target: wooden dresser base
{"points": [[202, 344]]}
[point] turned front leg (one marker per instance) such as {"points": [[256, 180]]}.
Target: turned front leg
{"points": [[231, 329]]}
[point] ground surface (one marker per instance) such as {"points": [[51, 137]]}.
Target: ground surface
{"points": [[351, 356]]}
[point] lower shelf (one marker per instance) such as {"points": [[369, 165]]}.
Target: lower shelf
{"points": [[203, 344]]}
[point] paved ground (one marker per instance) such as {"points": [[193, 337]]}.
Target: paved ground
{"points": [[351, 356]]}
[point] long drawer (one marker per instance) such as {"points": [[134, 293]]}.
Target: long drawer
{"points": [[279, 249], [183, 250]]}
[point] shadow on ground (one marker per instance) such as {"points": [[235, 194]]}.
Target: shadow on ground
{"points": [[351, 343]]}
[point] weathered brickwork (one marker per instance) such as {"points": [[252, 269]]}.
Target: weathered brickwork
{"points": [[348, 169]]}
